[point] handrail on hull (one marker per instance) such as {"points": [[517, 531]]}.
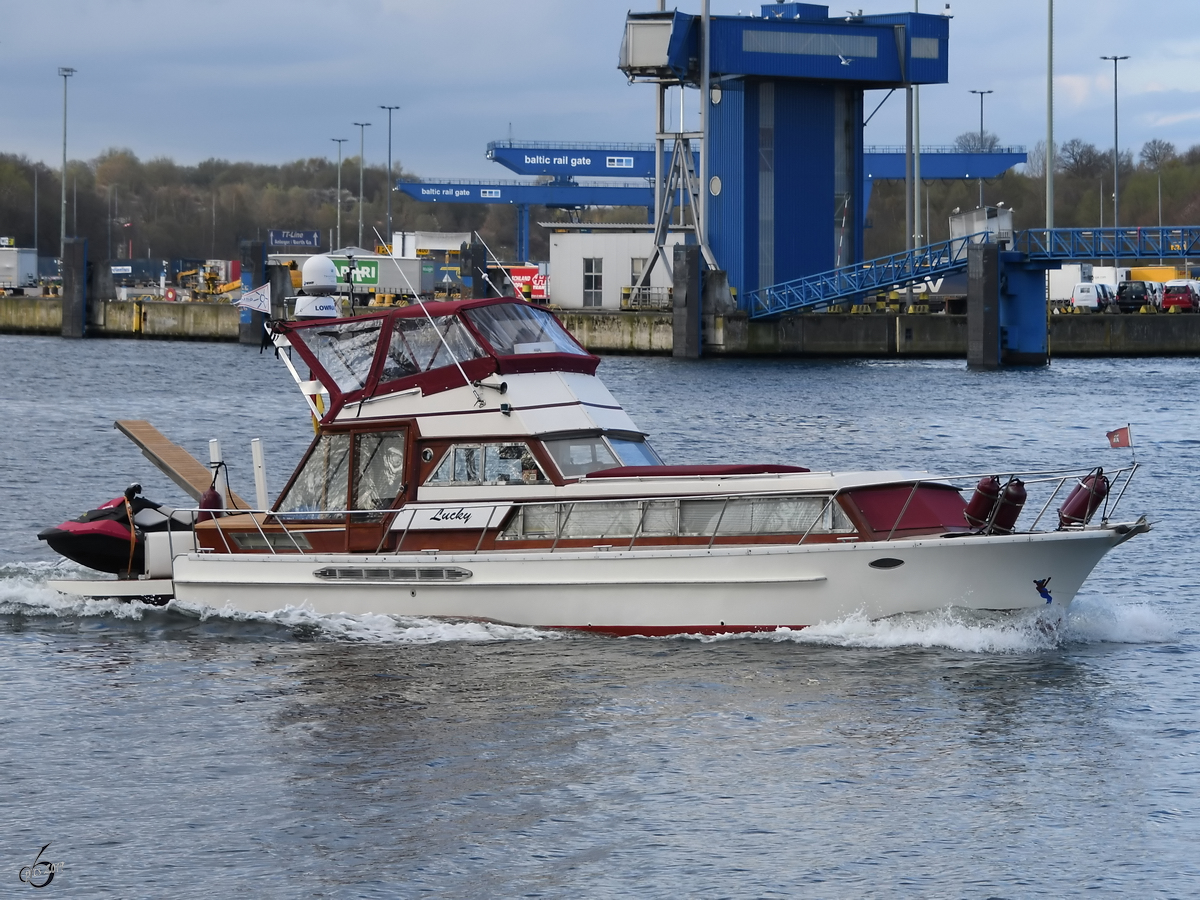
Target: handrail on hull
{"points": [[292, 526]]}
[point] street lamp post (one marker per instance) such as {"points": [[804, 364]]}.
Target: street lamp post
{"points": [[390, 186], [66, 72], [1049, 116], [1116, 159], [981, 94], [339, 142], [362, 130]]}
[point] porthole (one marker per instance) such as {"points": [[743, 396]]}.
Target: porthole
{"points": [[886, 562], [714, 185], [427, 455]]}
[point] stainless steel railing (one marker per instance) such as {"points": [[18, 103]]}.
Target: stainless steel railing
{"points": [[287, 530]]}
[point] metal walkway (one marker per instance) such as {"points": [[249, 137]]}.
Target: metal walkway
{"points": [[814, 292], [1168, 242], [826, 288]]}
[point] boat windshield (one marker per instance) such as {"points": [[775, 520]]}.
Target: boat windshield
{"points": [[345, 350], [514, 328], [418, 345]]}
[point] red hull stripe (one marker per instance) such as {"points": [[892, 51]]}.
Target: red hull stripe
{"points": [[670, 630]]}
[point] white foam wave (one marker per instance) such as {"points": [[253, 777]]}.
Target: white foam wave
{"points": [[1089, 620], [1097, 621], [23, 592], [28, 595], [1100, 620], [369, 628]]}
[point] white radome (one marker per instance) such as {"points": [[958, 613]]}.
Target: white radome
{"points": [[319, 276]]}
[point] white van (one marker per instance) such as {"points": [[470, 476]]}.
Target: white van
{"points": [[1088, 295]]}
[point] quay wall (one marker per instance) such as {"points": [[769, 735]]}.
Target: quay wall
{"points": [[125, 318], [620, 332], [31, 315], [651, 332]]}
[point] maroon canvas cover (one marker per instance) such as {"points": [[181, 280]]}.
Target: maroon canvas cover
{"points": [[931, 506]]}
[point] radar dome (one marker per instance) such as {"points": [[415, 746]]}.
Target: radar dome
{"points": [[319, 276]]}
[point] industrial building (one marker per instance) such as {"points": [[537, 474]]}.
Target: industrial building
{"points": [[598, 267]]}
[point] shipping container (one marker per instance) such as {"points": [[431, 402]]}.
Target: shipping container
{"points": [[18, 267], [1161, 274]]}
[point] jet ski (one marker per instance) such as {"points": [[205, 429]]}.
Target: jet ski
{"points": [[102, 538]]}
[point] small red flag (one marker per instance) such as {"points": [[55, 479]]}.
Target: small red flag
{"points": [[1120, 438]]}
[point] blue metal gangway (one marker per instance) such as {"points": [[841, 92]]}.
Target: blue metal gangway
{"points": [[1168, 242], [814, 292], [826, 288]]}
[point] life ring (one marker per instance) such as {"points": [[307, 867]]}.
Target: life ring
{"points": [[171, 294]]}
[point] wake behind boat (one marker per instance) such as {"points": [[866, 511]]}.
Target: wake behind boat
{"points": [[469, 464]]}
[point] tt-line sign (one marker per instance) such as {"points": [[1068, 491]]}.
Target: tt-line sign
{"points": [[281, 237]]}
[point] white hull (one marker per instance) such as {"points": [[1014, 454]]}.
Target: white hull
{"points": [[664, 591]]}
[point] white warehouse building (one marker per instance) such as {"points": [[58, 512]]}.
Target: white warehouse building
{"points": [[595, 269]]}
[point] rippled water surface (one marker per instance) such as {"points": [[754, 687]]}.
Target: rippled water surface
{"points": [[173, 752]]}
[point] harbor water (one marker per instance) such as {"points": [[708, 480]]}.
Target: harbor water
{"points": [[174, 752]]}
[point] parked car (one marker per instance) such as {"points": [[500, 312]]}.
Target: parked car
{"points": [[1182, 293], [1133, 295], [1088, 295], [1108, 295]]}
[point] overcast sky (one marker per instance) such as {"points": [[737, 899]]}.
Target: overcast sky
{"points": [[271, 81]]}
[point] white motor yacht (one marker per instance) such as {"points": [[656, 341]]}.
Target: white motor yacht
{"points": [[469, 464]]}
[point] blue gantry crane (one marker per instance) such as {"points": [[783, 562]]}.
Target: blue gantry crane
{"points": [[565, 161], [781, 133], [562, 194]]}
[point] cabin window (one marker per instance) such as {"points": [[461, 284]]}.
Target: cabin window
{"points": [[345, 350], [516, 328], [627, 519], [634, 453], [762, 515], [321, 485], [378, 470], [578, 456], [418, 345], [321, 488], [510, 463], [582, 455]]}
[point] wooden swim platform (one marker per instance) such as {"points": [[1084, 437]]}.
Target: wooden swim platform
{"points": [[173, 461]]}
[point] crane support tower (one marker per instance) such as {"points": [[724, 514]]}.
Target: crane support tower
{"points": [[781, 126]]}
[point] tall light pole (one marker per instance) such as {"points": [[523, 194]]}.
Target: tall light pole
{"points": [[1116, 142], [1050, 117], [339, 142], [918, 229], [981, 94], [1116, 158], [362, 130], [65, 72], [390, 186]]}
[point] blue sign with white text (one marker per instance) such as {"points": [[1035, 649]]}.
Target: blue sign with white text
{"points": [[281, 237]]}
